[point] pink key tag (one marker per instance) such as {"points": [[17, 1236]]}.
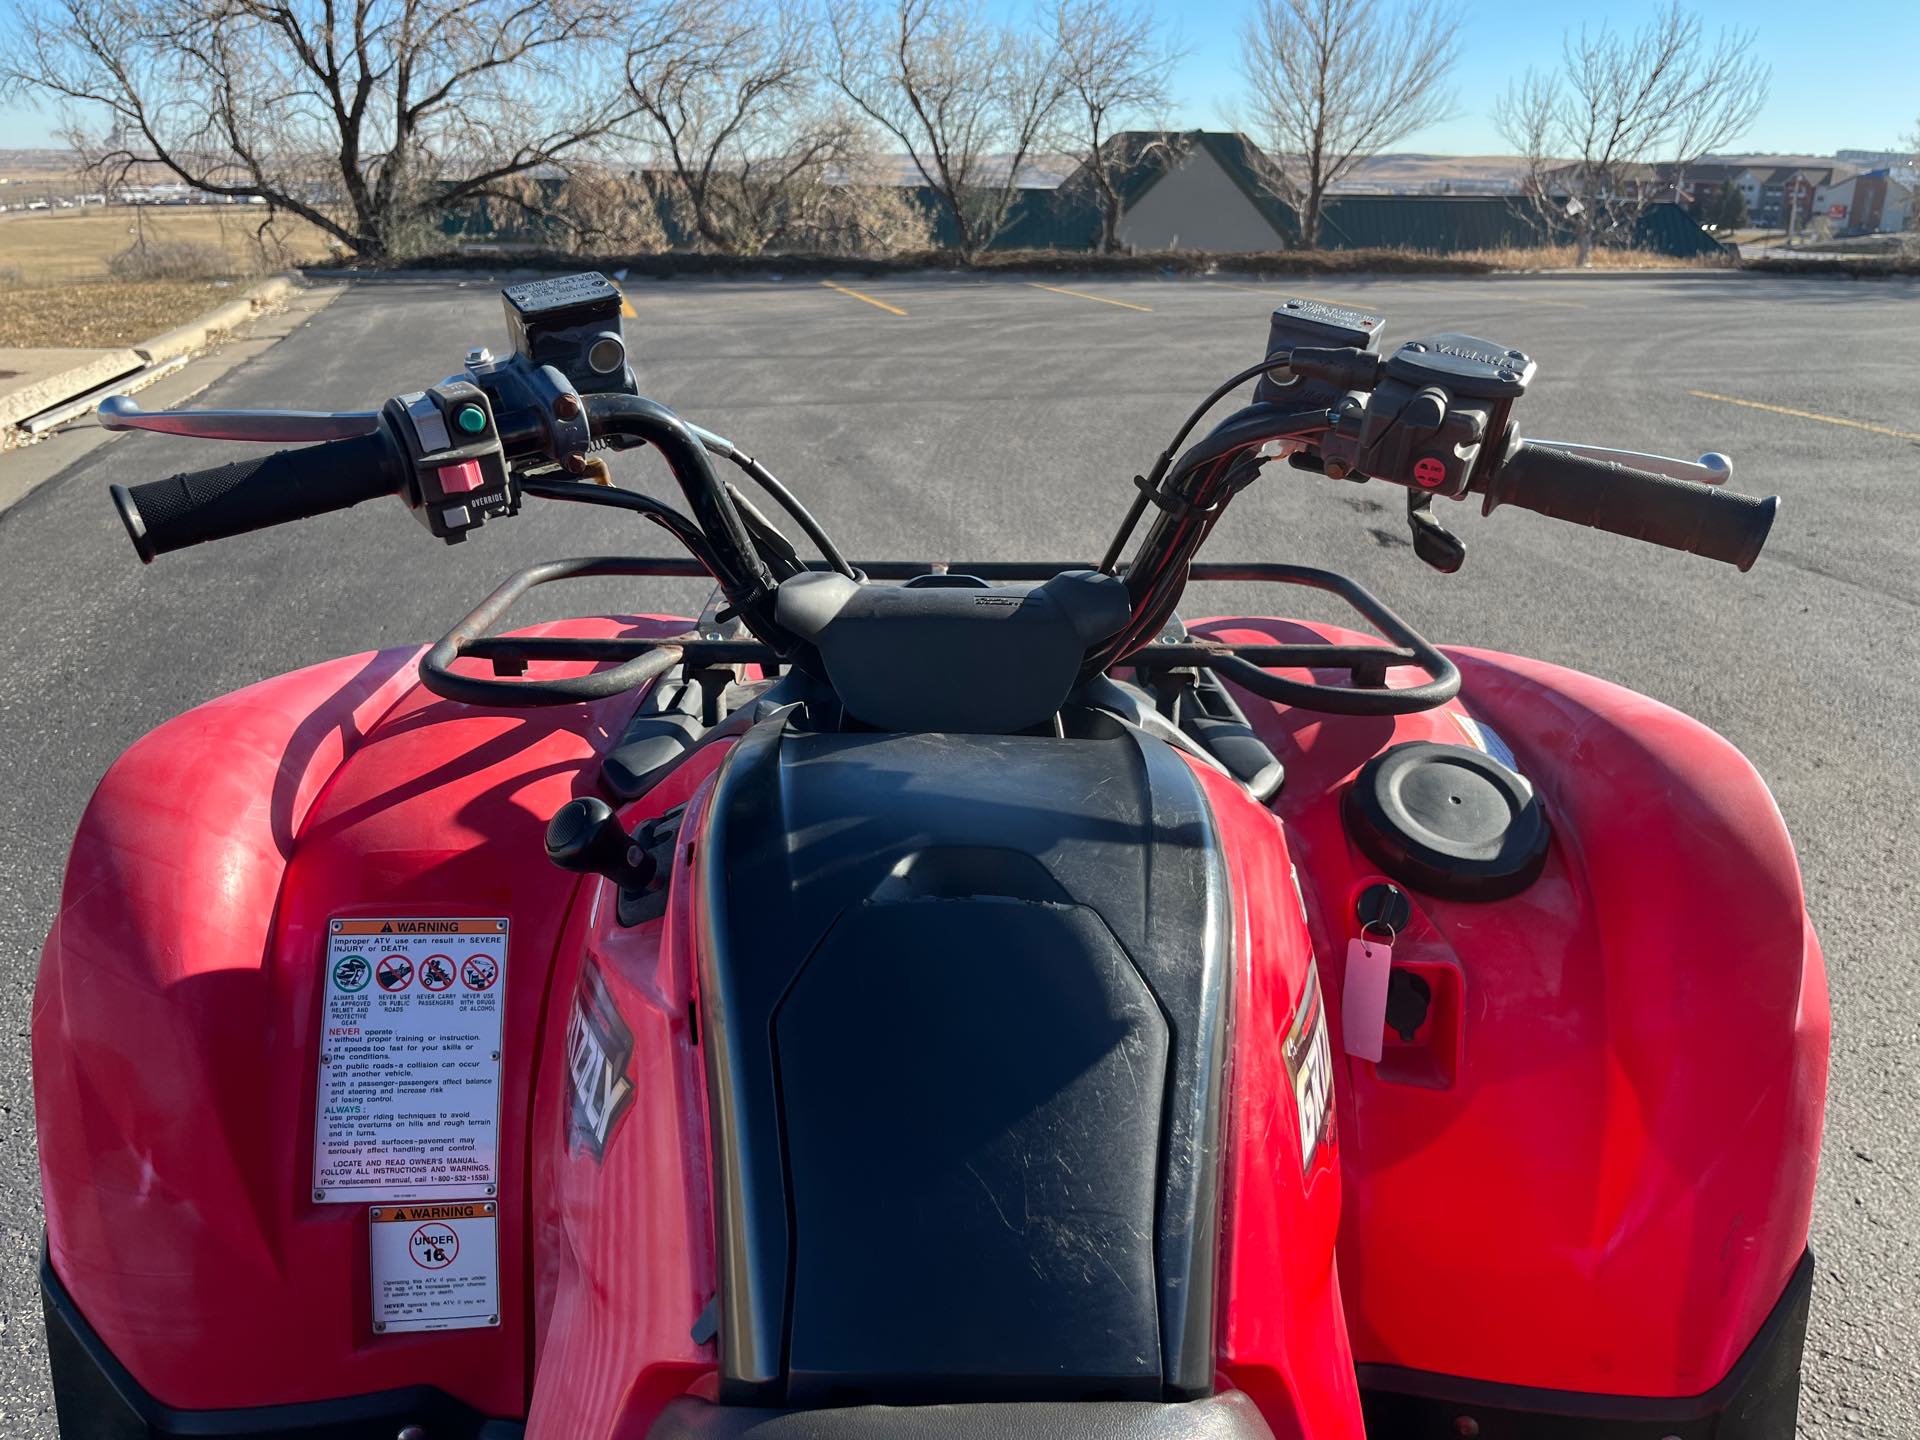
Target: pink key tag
{"points": [[1363, 999]]}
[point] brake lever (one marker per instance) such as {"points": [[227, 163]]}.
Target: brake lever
{"points": [[1712, 468], [279, 427]]}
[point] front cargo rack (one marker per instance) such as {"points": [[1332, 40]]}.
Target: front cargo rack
{"points": [[636, 660]]}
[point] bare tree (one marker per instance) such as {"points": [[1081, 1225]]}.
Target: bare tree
{"points": [[967, 98], [1620, 106], [1336, 81], [1115, 68], [368, 118], [731, 103], [862, 212], [598, 209]]}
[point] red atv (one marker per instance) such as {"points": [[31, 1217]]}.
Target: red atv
{"points": [[949, 1000]]}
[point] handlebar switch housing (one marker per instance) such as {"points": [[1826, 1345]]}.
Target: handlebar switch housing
{"points": [[1437, 420], [459, 474]]}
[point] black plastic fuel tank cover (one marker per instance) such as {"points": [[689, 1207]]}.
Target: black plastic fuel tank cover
{"points": [[1448, 820]]}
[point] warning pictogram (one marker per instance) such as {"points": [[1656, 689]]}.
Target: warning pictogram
{"points": [[408, 1104], [434, 1246]]}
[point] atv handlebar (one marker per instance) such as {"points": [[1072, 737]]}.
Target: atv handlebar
{"points": [[200, 505], [1638, 504]]}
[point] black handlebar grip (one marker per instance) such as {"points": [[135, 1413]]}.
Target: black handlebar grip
{"points": [[1659, 509], [201, 505]]}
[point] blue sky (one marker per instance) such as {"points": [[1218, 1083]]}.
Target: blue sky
{"points": [[1846, 73]]}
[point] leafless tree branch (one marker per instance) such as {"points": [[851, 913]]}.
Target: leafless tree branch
{"points": [[967, 98], [368, 118], [1334, 82], [1115, 69], [1621, 104]]}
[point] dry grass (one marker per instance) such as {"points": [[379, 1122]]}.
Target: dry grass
{"points": [[1179, 262], [120, 313], [47, 247], [1565, 257]]}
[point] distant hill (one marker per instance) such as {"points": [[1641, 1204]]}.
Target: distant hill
{"points": [[1411, 172]]}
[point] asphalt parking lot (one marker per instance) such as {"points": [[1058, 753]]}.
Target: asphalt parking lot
{"points": [[961, 419]]}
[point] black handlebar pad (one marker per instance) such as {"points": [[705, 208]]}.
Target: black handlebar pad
{"points": [[202, 505], [1659, 509]]}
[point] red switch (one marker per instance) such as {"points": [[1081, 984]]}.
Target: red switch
{"points": [[461, 479]]}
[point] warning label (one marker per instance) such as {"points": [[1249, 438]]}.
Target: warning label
{"points": [[409, 1103], [435, 1267]]}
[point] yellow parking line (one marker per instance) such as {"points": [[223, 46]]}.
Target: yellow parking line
{"points": [[878, 304], [1807, 415], [626, 307], [1082, 295]]}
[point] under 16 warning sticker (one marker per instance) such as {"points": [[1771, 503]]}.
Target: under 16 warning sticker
{"points": [[409, 1105], [435, 1267]]}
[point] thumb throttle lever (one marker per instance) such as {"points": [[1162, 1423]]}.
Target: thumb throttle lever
{"points": [[275, 427]]}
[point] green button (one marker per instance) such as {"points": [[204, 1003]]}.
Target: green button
{"points": [[471, 419]]}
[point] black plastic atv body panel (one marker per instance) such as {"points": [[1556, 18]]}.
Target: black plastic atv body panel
{"points": [[965, 1004]]}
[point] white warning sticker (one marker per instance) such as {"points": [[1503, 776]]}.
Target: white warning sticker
{"points": [[435, 1267], [409, 1103]]}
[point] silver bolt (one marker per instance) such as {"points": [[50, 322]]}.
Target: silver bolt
{"points": [[476, 357], [1508, 375], [379, 1327], [1416, 347], [319, 1194], [411, 1432], [712, 635], [1516, 354]]}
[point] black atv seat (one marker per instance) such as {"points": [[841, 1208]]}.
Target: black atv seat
{"points": [[1220, 1417]]}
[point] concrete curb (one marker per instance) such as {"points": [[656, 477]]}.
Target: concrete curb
{"points": [[135, 365], [194, 335], [98, 368]]}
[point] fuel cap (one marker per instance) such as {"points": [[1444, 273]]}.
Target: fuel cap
{"points": [[1448, 820]]}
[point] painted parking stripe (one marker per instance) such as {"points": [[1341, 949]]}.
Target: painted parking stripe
{"points": [[1082, 295], [877, 304], [1807, 415], [626, 307]]}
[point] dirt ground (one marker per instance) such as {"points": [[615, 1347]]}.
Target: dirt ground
{"points": [[105, 312]]}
